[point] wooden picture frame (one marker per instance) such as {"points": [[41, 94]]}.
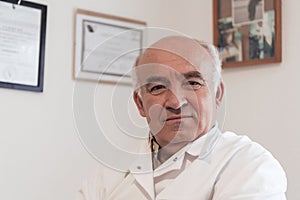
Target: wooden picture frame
{"points": [[247, 32], [106, 46], [22, 45]]}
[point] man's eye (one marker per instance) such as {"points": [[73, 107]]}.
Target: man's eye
{"points": [[157, 89], [193, 85]]}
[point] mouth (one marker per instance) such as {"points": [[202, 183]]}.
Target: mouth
{"points": [[178, 118]]}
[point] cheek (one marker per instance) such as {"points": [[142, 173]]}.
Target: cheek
{"points": [[203, 106], [155, 113], [204, 111], [150, 106], [153, 106]]}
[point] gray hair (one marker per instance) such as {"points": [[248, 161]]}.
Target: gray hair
{"points": [[214, 53]]}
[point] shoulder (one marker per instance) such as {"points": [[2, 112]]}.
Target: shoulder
{"points": [[233, 145], [247, 168], [240, 151]]}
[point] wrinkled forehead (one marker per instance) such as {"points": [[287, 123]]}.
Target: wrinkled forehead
{"points": [[179, 48], [174, 55]]}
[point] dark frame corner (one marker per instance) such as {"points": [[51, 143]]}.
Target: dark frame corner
{"points": [[42, 43]]}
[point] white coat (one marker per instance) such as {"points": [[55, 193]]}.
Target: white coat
{"points": [[229, 167]]}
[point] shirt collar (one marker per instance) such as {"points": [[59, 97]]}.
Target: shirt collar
{"points": [[205, 144], [173, 163]]}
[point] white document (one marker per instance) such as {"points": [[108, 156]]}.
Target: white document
{"points": [[19, 44], [109, 49], [106, 48]]}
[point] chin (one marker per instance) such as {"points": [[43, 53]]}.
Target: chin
{"points": [[177, 134], [184, 137]]}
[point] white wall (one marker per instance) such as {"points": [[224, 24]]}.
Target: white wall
{"points": [[40, 154]]}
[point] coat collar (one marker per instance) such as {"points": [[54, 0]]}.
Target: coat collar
{"points": [[142, 170], [203, 146]]}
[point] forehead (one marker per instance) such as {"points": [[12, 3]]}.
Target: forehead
{"points": [[162, 62], [176, 46]]}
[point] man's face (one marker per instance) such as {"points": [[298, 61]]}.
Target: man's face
{"points": [[175, 97]]}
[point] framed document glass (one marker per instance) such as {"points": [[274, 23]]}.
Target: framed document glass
{"points": [[22, 45], [106, 46], [247, 32]]}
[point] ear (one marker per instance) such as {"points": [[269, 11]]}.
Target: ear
{"points": [[139, 104], [220, 94]]}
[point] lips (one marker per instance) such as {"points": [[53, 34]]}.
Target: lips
{"points": [[177, 117]]}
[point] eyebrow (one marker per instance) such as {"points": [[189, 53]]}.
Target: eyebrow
{"points": [[193, 74]]}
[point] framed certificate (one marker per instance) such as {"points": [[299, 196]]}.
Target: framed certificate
{"points": [[106, 46], [22, 45]]}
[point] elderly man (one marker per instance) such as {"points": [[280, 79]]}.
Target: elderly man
{"points": [[178, 90]]}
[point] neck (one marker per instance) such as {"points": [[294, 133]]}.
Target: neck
{"points": [[169, 150]]}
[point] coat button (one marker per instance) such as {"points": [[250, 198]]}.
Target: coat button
{"points": [[139, 167]]}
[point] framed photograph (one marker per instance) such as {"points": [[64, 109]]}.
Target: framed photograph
{"points": [[22, 45], [106, 46], [247, 32]]}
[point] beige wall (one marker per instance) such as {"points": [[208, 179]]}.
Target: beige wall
{"points": [[40, 154]]}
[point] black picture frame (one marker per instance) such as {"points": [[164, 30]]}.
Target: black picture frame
{"points": [[41, 51]]}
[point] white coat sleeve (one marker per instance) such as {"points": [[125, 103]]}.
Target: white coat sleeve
{"points": [[252, 174], [92, 187], [100, 184]]}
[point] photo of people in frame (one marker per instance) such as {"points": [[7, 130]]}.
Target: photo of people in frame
{"points": [[247, 11], [230, 44], [244, 34], [261, 38]]}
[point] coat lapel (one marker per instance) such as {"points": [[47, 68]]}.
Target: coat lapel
{"points": [[138, 182], [127, 189], [182, 186], [142, 171]]}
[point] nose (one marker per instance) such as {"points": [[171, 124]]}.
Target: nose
{"points": [[175, 101]]}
